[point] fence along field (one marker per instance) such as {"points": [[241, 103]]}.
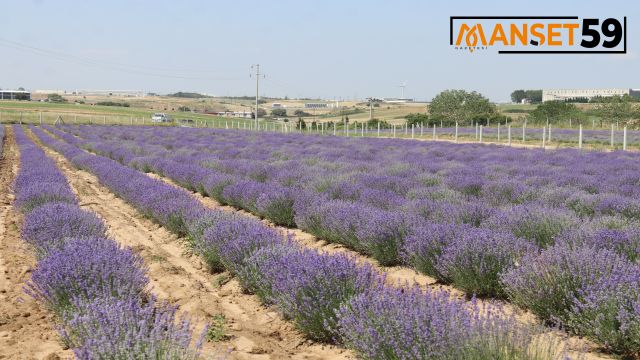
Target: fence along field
{"points": [[616, 137], [485, 219]]}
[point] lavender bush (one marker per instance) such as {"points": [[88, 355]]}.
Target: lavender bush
{"points": [[389, 323], [474, 260], [538, 224], [426, 243], [47, 227], [128, 328], [87, 268], [309, 287], [227, 243], [550, 283]]}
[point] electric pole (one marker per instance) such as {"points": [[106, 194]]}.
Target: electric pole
{"points": [[257, 66]]}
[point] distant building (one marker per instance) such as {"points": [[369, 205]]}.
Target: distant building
{"points": [[15, 95], [567, 94], [235, 114], [316, 106], [397, 100], [276, 106]]}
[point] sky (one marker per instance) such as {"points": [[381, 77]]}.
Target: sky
{"points": [[317, 49]]}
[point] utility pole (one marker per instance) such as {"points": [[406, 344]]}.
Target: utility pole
{"points": [[257, 66]]}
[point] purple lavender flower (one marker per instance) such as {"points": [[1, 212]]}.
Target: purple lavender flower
{"points": [[128, 328], [87, 268], [309, 287], [474, 260], [551, 282], [537, 224], [48, 226]]}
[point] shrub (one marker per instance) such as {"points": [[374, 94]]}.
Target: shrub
{"points": [[231, 240], [47, 227], [425, 244], [127, 328], [86, 268], [372, 231], [551, 282], [309, 287], [276, 204], [609, 313], [397, 323], [537, 224], [37, 193], [476, 258]]}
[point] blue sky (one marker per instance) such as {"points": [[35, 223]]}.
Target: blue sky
{"points": [[329, 49]]}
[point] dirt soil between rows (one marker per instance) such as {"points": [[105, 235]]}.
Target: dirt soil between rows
{"points": [[253, 330], [26, 328]]}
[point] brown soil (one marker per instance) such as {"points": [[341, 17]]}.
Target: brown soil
{"points": [[26, 328], [255, 332]]}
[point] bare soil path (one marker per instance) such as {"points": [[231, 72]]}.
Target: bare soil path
{"points": [[26, 328], [255, 332]]}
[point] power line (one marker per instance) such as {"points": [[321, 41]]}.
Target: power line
{"points": [[127, 68]]}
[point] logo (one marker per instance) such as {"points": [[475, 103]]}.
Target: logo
{"points": [[539, 34]]}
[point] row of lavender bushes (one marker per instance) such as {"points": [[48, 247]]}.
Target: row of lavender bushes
{"points": [[97, 290], [567, 265], [328, 297]]}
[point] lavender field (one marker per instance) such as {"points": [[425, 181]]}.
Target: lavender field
{"points": [[555, 233]]}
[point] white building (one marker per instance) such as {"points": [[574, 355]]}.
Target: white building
{"points": [[566, 94]]}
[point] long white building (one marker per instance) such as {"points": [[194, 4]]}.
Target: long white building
{"points": [[565, 94]]}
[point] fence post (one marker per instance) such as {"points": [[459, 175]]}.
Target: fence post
{"points": [[40, 117], [498, 131], [362, 129], [624, 138], [611, 136], [524, 127], [394, 131], [480, 134], [378, 128], [421, 129], [580, 137], [509, 134], [549, 136], [434, 131], [412, 131], [476, 125], [544, 133], [456, 136]]}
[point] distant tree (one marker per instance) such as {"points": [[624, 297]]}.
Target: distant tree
{"points": [[417, 119], [279, 112], [615, 108], [20, 88], [301, 124], [555, 111], [56, 98], [301, 113], [534, 96], [261, 113], [460, 105], [184, 108], [373, 123], [517, 96]]}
